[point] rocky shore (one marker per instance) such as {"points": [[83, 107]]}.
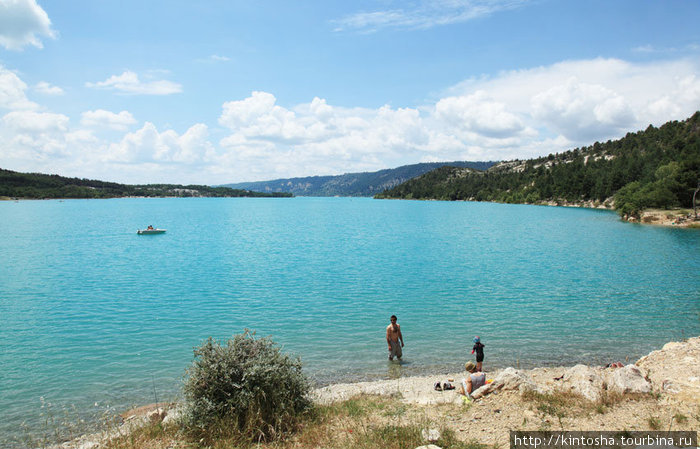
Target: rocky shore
{"points": [[661, 391], [671, 371]]}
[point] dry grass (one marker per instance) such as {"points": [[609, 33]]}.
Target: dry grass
{"points": [[363, 422], [562, 404]]}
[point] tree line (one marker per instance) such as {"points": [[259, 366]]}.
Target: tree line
{"points": [[40, 186], [653, 168]]}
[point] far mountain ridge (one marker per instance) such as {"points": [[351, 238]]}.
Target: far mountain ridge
{"points": [[352, 184]]}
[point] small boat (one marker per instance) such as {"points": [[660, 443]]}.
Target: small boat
{"points": [[151, 230]]}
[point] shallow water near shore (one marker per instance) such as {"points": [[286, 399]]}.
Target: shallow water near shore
{"points": [[95, 317]]}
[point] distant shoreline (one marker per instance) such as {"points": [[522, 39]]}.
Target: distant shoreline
{"points": [[673, 218]]}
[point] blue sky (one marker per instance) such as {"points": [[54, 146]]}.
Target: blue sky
{"points": [[225, 91]]}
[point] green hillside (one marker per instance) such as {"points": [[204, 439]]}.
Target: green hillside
{"points": [[352, 184], [654, 168], [40, 186]]}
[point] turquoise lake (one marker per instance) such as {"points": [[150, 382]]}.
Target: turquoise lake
{"points": [[95, 318]]}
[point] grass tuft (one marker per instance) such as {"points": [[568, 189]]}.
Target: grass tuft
{"points": [[654, 423]]}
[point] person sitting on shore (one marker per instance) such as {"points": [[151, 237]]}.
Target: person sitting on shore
{"points": [[475, 379]]}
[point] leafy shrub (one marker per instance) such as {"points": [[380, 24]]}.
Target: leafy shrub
{"points": [[247, 386]]}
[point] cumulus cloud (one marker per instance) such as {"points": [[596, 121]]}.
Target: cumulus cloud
{"points": [[587, 100], [513, 114], [31, 121], [22, 23], [480, 114], [45, 88], [582, 111], [129, 83], [101, 118], [150, 145], [38, 136], [319, 135], [516, 114], [423, 14], [12, 92]]}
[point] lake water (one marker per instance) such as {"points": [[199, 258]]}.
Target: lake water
{"points": [[94, 317]]}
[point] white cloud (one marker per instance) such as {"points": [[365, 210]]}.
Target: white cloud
{"points": [[588, 100], [424, 14], [480, 114], [648, 48], [583, 111], [22, 22], [47, 89], [12, 92], [102, 118], [150, 145], [129, 83], [34, 136], [212, 59], [315, 134], [514, 114], [31, 121]]}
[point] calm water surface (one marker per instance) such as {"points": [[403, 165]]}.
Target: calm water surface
{"points": [[94, 317]]}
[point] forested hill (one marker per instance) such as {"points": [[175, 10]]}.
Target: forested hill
{"points": [[40, 186], [352, 184], [657, 167]]}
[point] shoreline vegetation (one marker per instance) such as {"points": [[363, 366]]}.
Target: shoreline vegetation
{"points": [[24, 186], [660, 391], [653, 169]]}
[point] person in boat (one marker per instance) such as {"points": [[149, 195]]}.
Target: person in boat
{"points": [[150, 227], [393, 337]]}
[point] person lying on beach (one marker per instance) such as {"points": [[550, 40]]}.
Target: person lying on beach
{"points": [[443, 386], [393, 336], [475, 379]]}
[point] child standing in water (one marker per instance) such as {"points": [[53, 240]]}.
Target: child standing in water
{"points": [[479, 349]]}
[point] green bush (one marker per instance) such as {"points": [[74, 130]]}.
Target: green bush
{"points": [[247, 387]]}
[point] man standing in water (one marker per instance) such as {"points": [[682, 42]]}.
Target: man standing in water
{"points": [[393, 336]]}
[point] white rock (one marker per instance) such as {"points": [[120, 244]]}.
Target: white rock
{"points": [[583, 380], [628, 379], [172, 417], [156, 415], [430, 434], [509, 379], [430, 446], [89, 445]]}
